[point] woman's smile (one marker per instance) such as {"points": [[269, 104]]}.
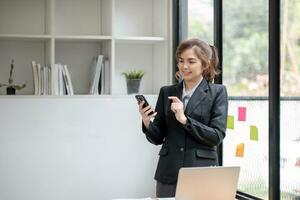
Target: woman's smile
{"points": [[186, 73]]}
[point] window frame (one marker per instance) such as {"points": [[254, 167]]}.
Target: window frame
{"points": [[180, 21]]}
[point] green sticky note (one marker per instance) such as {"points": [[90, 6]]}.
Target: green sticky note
{"points": [[230, 122], [253, 133]]}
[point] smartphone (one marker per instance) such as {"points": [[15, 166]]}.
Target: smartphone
{"points": [[140, 98]]}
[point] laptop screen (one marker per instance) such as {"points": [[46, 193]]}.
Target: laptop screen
{"points": [[207, 183]]}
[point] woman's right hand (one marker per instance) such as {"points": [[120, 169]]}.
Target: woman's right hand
{"points": [[145, 114]]}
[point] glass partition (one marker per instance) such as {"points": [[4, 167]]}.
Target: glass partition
{"points": [[200, 20], [290, 100], [245, 74]]}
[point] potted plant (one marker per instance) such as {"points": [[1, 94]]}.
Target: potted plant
{"points": [[133, 80], [10, 86]]}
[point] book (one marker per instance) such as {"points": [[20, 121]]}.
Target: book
{"points": [[42, 81], [68, 81], [65, 80], [39, 73], [92, 74], [54, 80], [35, 77], [95, 75], [49, 81], [104, 87], [61, 82], [101, 81], [45, 80]]}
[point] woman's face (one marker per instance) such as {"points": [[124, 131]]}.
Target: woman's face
{"points": [[190, 66]]}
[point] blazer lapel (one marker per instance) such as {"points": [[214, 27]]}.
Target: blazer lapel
{"points": [[198, 96], [178, 90]]}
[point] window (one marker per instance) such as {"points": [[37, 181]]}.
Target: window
{"points": [[290, 100], [245, 74], [200, 20], [245, 47]]}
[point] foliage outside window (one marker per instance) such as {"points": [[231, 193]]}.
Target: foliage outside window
{"points": [[245, 67]]}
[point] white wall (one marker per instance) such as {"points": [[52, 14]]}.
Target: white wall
{"points": [[74, 148]]}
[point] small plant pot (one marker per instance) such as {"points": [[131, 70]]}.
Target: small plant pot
{"points": [[133, 86], [10, 91]]}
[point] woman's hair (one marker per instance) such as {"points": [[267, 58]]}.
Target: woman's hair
{"points": [[208, 54]]}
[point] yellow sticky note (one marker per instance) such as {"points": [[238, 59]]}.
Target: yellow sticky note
{"points": [[230, 122], [240, 150], [253, 133]]}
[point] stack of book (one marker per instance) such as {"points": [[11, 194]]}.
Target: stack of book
{"points": [[56, 80], [99, 76], [51, 81]]}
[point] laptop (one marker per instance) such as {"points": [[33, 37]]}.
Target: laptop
{"points": [[207, 183]]}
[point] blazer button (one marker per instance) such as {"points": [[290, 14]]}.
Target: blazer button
{"points": [[181, 149]]}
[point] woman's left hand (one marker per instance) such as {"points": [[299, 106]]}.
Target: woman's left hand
{"points": [[177, 108]]}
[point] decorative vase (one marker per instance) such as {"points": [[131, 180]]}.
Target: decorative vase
{"points": [[133, 86], [10, 91]]}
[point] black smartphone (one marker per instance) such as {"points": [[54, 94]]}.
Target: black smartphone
{"points": [[140, 98]]}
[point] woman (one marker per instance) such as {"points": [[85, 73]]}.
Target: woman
{"points": [[189, 118]]}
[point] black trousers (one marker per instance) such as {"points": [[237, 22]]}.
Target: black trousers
{"points": [[165, 190]]}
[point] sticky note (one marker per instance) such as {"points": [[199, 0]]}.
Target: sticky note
{"points": [[253, 133], [297, 162], [230, 122], [242, 113], [240, 150]]}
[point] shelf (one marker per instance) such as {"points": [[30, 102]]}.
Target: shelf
{"points": [[147, 18], [131, 34], [131, 96], [23, 52], [23, 17], [24, 37], [77, 17], [146, 57], [76, 38], [140, 40], [80, 66]]}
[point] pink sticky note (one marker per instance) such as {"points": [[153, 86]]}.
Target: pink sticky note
{"points": [[242, 113], [297, 162]]}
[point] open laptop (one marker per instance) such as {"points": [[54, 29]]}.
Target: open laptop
{"points": [[207, 183]]}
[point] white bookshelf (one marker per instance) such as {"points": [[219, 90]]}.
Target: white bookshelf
{"points": [[130, 33]]}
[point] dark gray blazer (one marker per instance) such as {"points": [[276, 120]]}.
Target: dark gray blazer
{"points": [[193, 144]]}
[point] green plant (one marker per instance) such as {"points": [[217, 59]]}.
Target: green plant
{"points": [[134, 74], [10, 83]]}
